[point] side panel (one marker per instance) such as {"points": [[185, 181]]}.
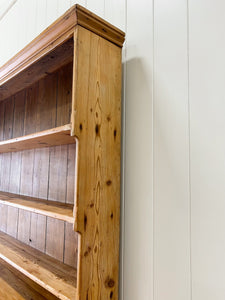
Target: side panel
{"points": [[96, 124]]}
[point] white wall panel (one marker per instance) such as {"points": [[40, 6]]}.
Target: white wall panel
{"points": [[30, 20], [207, 96], [172, 236], [63, 6], [9, 37], [138, 254], [41, 17], [171, 172], [115, 13], [51, 11], [96, 6], [81, 2]]}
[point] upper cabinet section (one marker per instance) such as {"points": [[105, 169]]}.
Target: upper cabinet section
{"points": [[44, 54]]}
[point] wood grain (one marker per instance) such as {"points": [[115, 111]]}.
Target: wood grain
{"points": [[13, 288], [37, 237], [41, 292], [71, 246], [58, 174], [55, 238], [47, 138], [60, 31], [27, 162], [56, 191], [6, 127], [15, 170], [48, 173], [54, 276], [97, 112], [52, 209]]}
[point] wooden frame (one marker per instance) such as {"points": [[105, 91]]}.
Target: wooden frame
{"points": [[95, 127]]}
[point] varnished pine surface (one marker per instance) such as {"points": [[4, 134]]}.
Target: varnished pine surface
{"points": [[51, 38], [47, 138], [13, 288], [57, 210], [96, 124], [55, 277], [57, 58]]}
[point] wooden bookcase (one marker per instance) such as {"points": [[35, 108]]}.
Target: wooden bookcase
{"points": [[60, 114]]}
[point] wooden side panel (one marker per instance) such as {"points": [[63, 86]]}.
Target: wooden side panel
{"points": [[97, 116]]}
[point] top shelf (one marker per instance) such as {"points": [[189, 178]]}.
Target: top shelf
{"points": [[52, 49], [47, 138]]}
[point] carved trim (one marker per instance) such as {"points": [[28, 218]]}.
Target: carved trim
{"points": [[61, 30]]}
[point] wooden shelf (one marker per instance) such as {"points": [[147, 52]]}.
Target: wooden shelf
{"points": [[54, 276], [13, 287], [49, 208], [47, 51], [47, 138]]}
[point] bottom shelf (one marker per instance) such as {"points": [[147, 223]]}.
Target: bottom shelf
{"points": [[12, 287], [52, 275]]}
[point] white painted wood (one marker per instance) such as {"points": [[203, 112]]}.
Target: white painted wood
{"points": [[63, 6], [30, 16], [51, 11], [115, 13], [5, 6], [171, 152], [96, 6], [41, 16], [207, 94], [138, 244], [10, 36], [6, 38], [22, 33], [81, 2]]}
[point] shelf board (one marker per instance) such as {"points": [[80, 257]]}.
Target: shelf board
{"points": [[54, 276], [13, 287], [47, 138], [53, 209]]}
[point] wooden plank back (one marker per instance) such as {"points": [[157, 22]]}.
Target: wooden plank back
{"points": [[44, 105]]}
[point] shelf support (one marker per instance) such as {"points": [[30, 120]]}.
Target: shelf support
{"points": [[96, 123]]}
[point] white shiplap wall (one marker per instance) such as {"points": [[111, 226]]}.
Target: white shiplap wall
{"points": [[173, 198]]}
